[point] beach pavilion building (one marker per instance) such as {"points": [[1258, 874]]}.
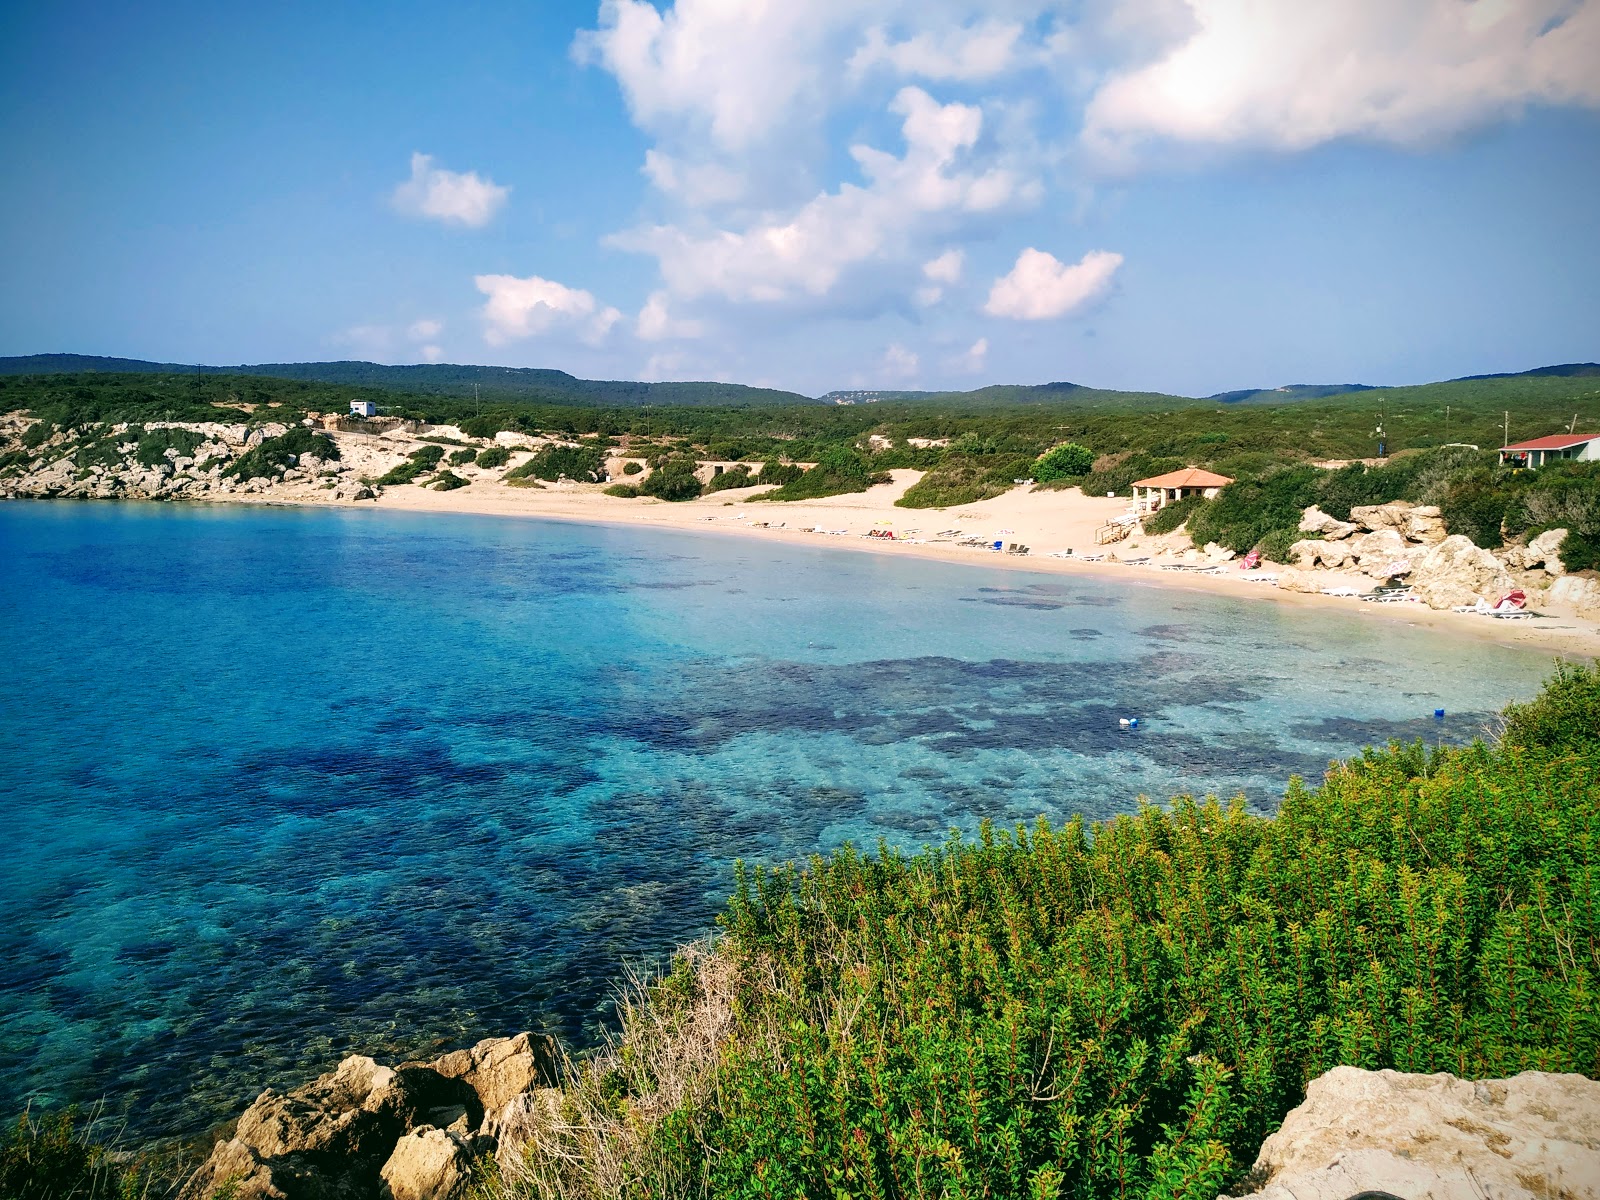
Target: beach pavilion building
{"points": [[1161, 490], [1539, 451]]}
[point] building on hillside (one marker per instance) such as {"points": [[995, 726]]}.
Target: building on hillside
{"points": [[363, 408], [1585, 446], [1161, 490]]}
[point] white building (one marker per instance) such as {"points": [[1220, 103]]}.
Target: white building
{"points": [[363, 408], [1539, 451]]}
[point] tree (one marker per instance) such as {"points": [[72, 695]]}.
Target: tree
{"points": [[1067, 461]]}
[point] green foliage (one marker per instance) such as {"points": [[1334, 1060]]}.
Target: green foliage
{"points": [[586, 464], [1169, 517], [1246, 511], [52, 1159], [1067, 461], [272, 456], [1116, 473], [420, 461], [625, 491], [1564, 716], [672, 478], [632, 468], [780, 473], [447, 481], [1275, 546], [460, 458], [1476, 508], [735, 477], [979, 471], [1118, 1010], [154, 444], [839, 470], [494, 456]]}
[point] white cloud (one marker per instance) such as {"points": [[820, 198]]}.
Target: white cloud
{"points": [[806, 253], [520, 308], [1041, 287], [449, 196], [424, 330], [965, 53], [369, 341], [1290, 74], [697, 184], [974, 359], [656, 321], [898, 364], [431, 353], [947, 267]]}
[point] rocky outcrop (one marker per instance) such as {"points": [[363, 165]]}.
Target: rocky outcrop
{"points": [[1543, 552], [410, 1132], [1456, 572], [1579, 592], [1329, 528], [1413, 522], [1436, 1137]]}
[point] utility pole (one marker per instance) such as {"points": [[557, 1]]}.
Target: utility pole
{"points": [[1447, 424], [1505, 432]]}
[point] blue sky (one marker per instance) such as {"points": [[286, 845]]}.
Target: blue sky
{"points": [[1183, 195]]}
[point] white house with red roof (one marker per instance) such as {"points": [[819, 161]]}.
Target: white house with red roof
{"points": [[1539, 451], [1161, 490]]}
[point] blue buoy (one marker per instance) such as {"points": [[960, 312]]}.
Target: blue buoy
{"points": [[1134, 723], [1438, 714]]}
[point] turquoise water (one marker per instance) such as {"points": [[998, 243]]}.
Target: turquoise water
{"points": [[281, 785]]}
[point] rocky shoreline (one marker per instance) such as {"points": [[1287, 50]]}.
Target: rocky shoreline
{"points": [[417, 1131], [430, 1130]]}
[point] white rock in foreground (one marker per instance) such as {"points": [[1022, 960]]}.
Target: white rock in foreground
{"points": [[1436, 1137]]}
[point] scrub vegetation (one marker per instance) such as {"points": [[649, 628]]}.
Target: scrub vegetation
{"points": [[1118, 1009]]}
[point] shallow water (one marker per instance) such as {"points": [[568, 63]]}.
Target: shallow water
{"points": [[282, 784]]}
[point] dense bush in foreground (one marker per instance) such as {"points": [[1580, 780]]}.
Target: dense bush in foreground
{"points": [[1122, 1009]]}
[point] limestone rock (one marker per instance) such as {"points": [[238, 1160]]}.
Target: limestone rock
{"points": [[1456, 572], [1311, 553], [1373, 517], [1298, 579], [1425, 524], [1579, 592], [1385, 544], [427, 1164], [1436, 1137], [1542, 551], [499, 1069], [1330, 528]]}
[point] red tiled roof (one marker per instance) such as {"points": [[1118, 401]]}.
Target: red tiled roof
{"points": [[1189, 477], [1556, 441]]}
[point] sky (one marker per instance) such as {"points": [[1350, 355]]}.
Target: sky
{"points": [[1177, 195]]}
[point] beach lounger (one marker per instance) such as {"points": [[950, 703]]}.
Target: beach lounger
{"points": [[1341, 592]]}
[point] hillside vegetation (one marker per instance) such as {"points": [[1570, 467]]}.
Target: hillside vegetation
{"points": [[1123, 1009]]}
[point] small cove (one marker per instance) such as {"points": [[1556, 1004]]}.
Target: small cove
{"points": [[287, 784]]}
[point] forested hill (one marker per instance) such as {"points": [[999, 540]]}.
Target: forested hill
{"points": [[530, 385]]}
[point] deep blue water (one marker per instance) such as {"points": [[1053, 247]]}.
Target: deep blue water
{"points": [[280, 785]]}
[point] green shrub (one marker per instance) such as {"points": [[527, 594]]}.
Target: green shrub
{"points": [[1275, 546], [1564, 717], [734, 477], [1123, 1009], [839, 470], [965, 479], [779, 473], [270, 457], [1170, 516], [1476, 508], [418, 462], [585, 464], [50, 1159], [632, 468], [673, 478], [1067, 461], [494, 456], [1116, 474], [625, 490], [1246, 511], [460, 458], [154, 444], [447, 481], [37, 434]]}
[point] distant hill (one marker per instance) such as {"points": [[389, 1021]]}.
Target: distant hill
{"points": [[1293, 391], [532, 385], [1565, 371]]}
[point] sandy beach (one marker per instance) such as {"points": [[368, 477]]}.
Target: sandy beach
{"points": [[1045, 521]]}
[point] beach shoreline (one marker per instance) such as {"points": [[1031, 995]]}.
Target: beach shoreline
{"points": [[1062, 520]]}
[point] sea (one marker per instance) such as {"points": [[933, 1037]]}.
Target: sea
{"points": [[279, 785]]}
